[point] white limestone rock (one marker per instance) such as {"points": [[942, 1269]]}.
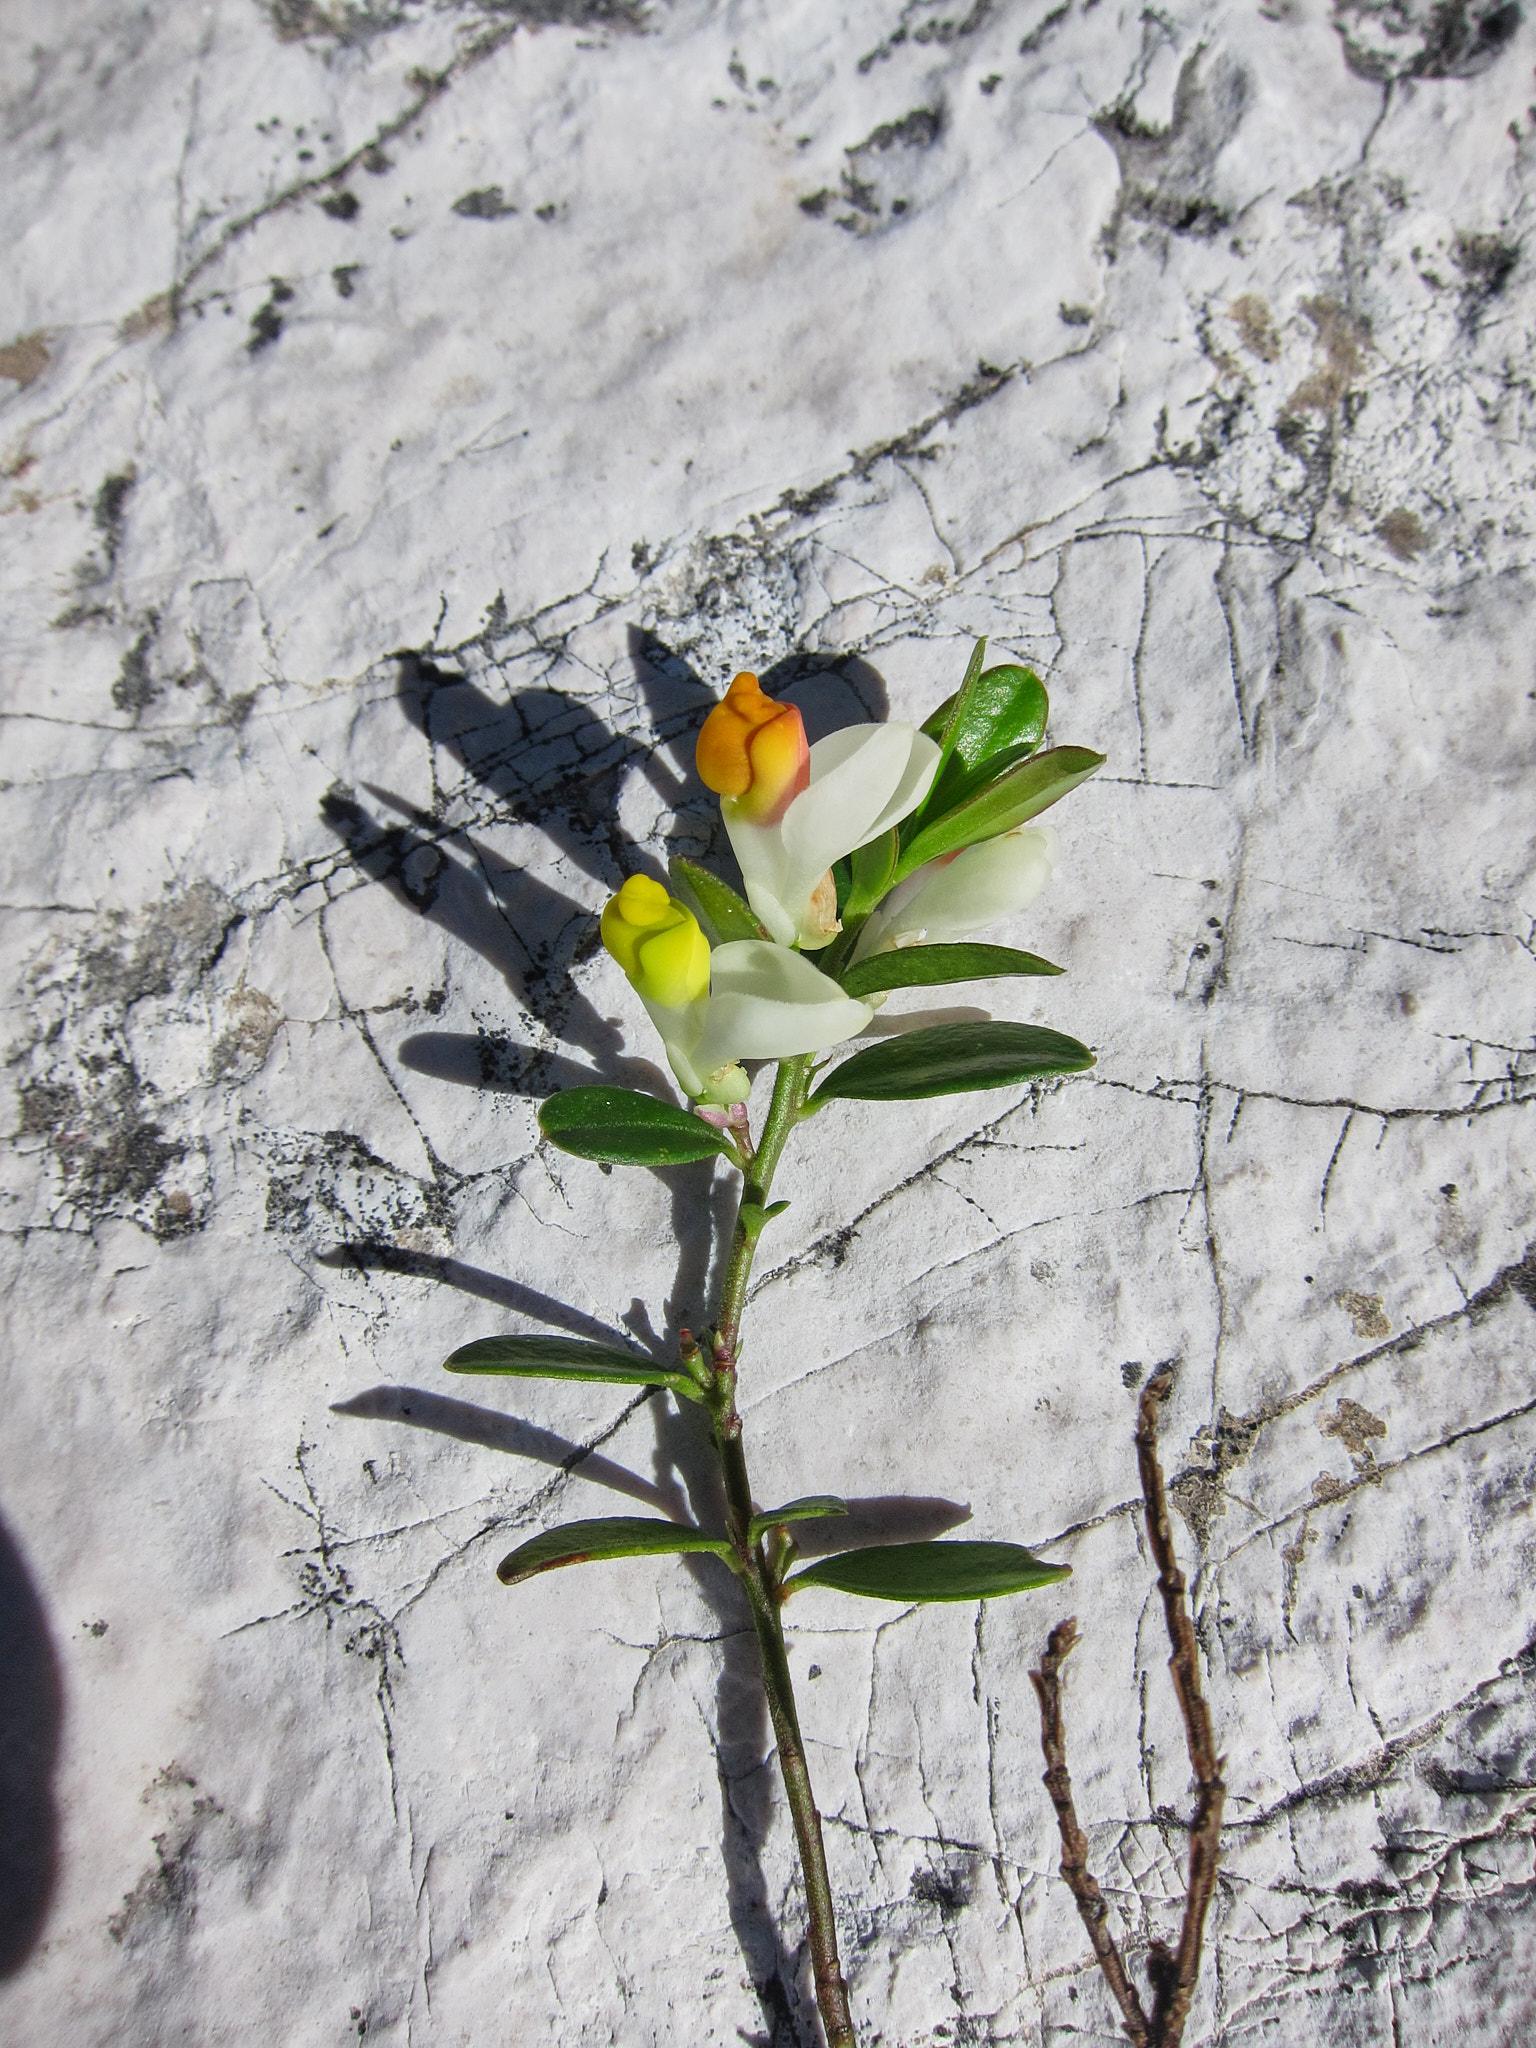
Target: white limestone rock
{"points": [[412, 414]]}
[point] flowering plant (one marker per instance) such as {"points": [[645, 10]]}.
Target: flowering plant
{"points": [[867, 861]]}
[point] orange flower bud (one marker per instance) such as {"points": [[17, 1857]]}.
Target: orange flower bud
{"points": [[754, 750]]}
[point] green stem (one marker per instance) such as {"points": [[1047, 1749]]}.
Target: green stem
{"points": [[761, 1585]]}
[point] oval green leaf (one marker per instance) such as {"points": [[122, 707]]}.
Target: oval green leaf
{"points": [[1022, 793], [999, 719], [931, 1571], [812, 1507], [564, 1358], [923, 966], [718, 908], [627, 1128], [941, 725], [614, 1536], [952, 1059]]}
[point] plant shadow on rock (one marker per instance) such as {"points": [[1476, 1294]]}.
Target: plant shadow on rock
{"points": [[31, 1709], [546, 758], [686, 1481]]}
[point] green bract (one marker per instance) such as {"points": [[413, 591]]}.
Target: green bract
{"points": [[715, 903], [996, 718]]}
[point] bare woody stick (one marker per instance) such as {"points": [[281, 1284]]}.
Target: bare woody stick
{"points": [[1176, 1975], [1074, 1845], [1174, 1972]]}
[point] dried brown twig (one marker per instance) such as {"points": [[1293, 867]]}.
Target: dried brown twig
{"points": [[1173, 1971]]}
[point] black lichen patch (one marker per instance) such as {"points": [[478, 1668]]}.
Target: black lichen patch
{"points": [[332, 1186], [110, 1152], [1169, 174], [109, 511], [949, 1888], [918, 130], [1183, 213], [1044, 29], [1486, 263], [135, 688], [875, 187], [267, 321], [353, 23], [342, 277], [342, 206], [1385, 40], [108, 517], [947, 27], [487, 203], [165, 1898], [115, 1146]]}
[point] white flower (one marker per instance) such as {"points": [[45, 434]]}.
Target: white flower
{"points": [[791, 811], [952, 897]]}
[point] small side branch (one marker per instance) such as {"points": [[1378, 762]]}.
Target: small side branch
{"points": [[1074, 1844], [1176, 1975], [1174, 1972]]}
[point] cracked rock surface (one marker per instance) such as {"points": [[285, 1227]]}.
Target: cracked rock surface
{"points": [[410, 416]]}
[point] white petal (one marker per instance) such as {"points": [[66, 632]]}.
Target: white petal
{"points": [[768, 1003], [766, 871], [922, 766], [862, 780], [981, 884]]}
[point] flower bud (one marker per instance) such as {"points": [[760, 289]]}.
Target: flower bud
{"points": [[961, 892], [754, 750], [657, 943]]}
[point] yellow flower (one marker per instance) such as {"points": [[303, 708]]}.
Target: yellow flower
{"points": [[749, 1000], [657, 943]]}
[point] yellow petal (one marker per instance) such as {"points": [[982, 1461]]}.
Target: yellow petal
{"points": [[657, 942]]}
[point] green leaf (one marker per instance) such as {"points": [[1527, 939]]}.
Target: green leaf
{"points": [[719, 909], [872, 867], [951, 1059], [931, 1571], [565, 1358], [754, 1218], [631, 1129], [1016, 796], [941, 725], [614, 1536], [999, 719], [922, 966], [811, 1508]]}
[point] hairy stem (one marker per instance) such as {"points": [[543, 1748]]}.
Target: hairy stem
{"points": [[760, 1582]]}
